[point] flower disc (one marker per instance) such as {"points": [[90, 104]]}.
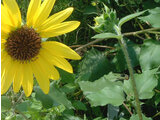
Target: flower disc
{"points": [[23, 44]]}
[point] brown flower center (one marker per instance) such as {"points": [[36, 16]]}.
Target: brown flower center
{"points": [[23, 44]]}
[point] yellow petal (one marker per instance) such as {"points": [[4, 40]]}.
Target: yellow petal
{"points": [[19, 75], [61, 50], [41, 71], [27, 82], [3, 41], [56, 18], [54, 74], [57, 61], [32, 9], [4, 55], [5, 19], [43, 12], [7, 71], [13, 11], [59, 29], [5, 30]]}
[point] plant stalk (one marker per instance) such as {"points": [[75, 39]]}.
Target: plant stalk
{"points": [[126, 54]]}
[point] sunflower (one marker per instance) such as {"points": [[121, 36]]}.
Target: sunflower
{"points": [[23, 53]]}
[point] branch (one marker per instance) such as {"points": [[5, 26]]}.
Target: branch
{"points": [[88, 44], [140, 32], [127, 109], [100, 46]]}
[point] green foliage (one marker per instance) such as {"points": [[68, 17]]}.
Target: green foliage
{"points": [[135, 117], [106, 36], [103, 91], [54, 97], [145, 83], [149, 56], [106, 21], [129, 17], [100, 87], [153, 17], [93, 66], [6, 103], [119, 60]]}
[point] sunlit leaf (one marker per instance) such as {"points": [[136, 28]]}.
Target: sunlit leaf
{"points": [[149, 55], [153, 18], [103, 91], [145, 84]]}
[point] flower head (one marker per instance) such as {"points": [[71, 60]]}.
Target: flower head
{"points": [[24, 54]]}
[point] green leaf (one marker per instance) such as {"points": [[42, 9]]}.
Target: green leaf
{"points": [[107, 36], [100, 118], [145, 84], [93, 66], [149, 55], [90, 10], [5, 103], [122, 119], [53, 98], [129, 17], [70, 117], [79, 105], [119, 60], [23, 107], [153, 18], [135, 117], [46, 100], [112, 112], [66, 77], [36, 105], [103, 91], [69, 88]]}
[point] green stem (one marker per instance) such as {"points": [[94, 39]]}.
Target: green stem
{"points": [[126, 54]]}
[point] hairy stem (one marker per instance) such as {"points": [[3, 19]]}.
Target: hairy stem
{"points": [[126, 54]]}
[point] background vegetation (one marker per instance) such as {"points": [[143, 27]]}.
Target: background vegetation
{"points": [[100, 88]]}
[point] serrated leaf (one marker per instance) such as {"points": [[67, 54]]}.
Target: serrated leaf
{"points": [[149, 55], [129, 17], [103, 91], [153, 18], [54, 97], [93, 66], [145, 84], [5, 103], [107, 36], [135, 117]]}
